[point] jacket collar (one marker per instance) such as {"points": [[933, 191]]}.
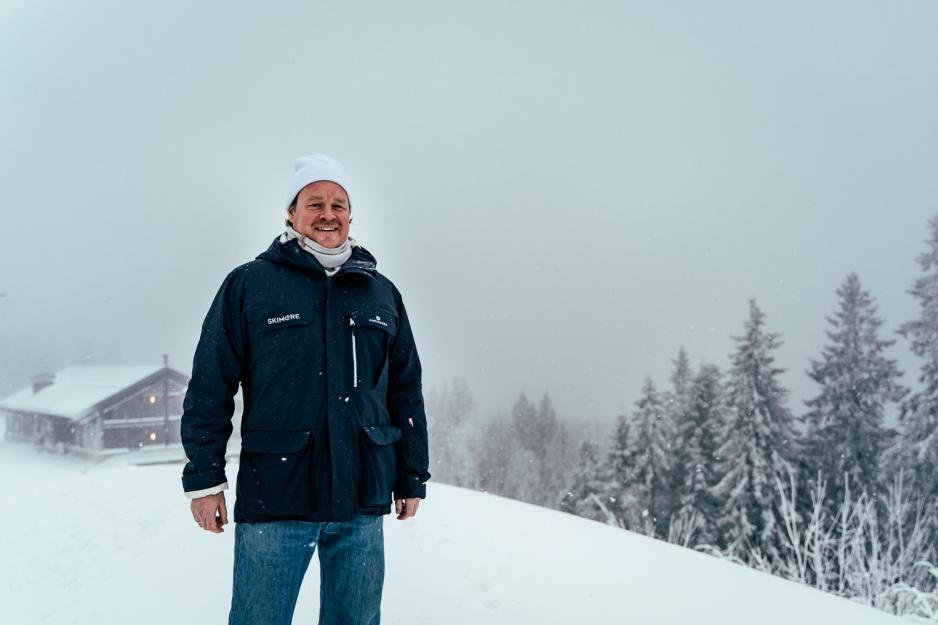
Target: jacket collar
{"points": [[360, 262]]}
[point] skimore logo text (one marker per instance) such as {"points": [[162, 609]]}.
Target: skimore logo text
{"points": [[275, 320]]}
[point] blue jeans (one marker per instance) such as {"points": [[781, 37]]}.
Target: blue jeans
{"points": [[271, 560]]}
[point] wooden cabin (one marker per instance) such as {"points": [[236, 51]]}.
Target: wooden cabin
{"points": [[98, 410]]}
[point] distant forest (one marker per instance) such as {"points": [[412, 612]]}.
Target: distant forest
{"points": [[718, 460]]}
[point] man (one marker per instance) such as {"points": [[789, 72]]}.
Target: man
{"points": [[333, 421]]}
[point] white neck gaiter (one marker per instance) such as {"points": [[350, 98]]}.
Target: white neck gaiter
{"points": [[331, 258]]}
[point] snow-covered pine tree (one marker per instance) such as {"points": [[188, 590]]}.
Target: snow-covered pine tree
{"points": [[613, 475], [677, 409], [465, 435], [559, 464], [520, 481], [649, 458], [700, 435], [454, 434], [461, 406], [917, 446], [545, 479], [498, 449], [587, 484], [533, 429], [758, 443], [438, 431], [844, 423], [524, 422], [545, 427]]}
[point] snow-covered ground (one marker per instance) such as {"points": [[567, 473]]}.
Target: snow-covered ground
{"points": [[114, 544]]}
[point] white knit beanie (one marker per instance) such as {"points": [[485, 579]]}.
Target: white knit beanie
{"points": [[314, 167]]}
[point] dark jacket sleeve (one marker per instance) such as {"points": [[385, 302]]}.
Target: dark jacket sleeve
{"points": [[209, 403], [406, 407]]}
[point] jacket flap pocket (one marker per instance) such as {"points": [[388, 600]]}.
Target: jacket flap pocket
{"points": [[380, 319], [274, 441], [382, 434]]}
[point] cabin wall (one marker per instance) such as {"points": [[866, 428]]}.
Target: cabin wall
{"points": [[141, 419]]}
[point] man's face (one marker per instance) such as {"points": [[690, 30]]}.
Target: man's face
{"points": [[322, 213]]}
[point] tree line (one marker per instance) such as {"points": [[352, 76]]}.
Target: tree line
{"points": [[718, 460]]}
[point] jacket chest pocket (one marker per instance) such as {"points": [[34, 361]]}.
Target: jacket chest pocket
{"points": [[276, 468], [279, 330], [370, 336]]}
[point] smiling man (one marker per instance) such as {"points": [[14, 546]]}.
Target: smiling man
{"points": [[334, 425]]}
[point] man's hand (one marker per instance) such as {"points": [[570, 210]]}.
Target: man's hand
{"points": [[408, 506], [210, 512]]}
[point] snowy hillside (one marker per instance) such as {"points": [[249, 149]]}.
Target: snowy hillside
{"points": [[113, 544]]}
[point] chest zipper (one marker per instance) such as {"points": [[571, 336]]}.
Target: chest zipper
{"points": [[351, 323]]}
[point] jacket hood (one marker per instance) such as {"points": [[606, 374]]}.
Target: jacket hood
{"points": [[361, 261]]}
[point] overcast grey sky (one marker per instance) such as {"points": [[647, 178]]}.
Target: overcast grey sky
{"points": [[564, 193]]}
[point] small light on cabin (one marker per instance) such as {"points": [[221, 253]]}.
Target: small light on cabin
{"points": [[152, 436], [152, 399]]}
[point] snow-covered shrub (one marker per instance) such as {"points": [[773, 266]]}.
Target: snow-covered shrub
{"points": [[873, 552]]}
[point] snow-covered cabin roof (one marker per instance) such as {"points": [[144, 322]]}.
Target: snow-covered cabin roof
{"points": [[76, 391]]}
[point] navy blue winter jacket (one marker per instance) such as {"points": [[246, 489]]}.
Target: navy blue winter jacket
{"points": [[334, 419]]}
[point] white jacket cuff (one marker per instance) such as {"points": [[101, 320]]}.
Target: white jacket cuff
{"points": [[192, 494]]}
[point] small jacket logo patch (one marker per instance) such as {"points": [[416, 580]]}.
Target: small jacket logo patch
{"points": [[275, 320], [377, 319]]}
